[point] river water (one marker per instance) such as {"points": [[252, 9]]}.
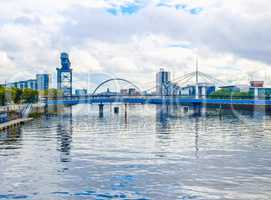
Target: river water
{"points": [[153, 152]]}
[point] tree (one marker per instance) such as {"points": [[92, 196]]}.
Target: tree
{"points": [[3, 99], [30, 96], [17, 95], [221, 94], [51, 93], [228, 94], [242, 95]]}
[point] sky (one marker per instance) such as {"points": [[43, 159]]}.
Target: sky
{"points": [[133, 39]]}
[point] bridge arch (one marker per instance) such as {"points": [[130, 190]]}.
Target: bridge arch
{"points": [[115, 79]]}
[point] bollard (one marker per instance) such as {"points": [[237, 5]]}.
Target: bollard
{"points": [[125, 113], [197, 109], [186, 109], [101, 110], [116, 110], [220, 111]]}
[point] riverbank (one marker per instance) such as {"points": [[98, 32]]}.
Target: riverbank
{"points": [[14, 123], [15, 115]]}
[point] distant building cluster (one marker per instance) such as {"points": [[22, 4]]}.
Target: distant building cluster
{"points": [[129, 92], [81, 92], [42, 82], [165, 87], [256, 88], [122, 92], [199, 90]]}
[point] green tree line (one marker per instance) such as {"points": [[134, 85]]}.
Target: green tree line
{"points": [[17, 96], [227, 94], [51, 93]]}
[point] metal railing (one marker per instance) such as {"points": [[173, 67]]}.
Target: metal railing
{"points": [[159, 96], [26, 111]]}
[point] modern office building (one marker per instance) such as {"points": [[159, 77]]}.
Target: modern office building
{"points": [[258, 90], [204, 89], [162, 82], [81, 92], [164, 85], [124, 92], [64, 75], [133, 92], [21, 84], [173, 89], [28, 84], [129, 92], [43, 81], [108, 93], [32, 84]]}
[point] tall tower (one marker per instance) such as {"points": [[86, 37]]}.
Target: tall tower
{"points": [[64, 75], [162, 81]]}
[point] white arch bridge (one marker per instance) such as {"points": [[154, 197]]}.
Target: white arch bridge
{"points": [[113, 80]]}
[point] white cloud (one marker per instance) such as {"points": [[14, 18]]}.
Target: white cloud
{"points": [[230, 37], [84, 62]]}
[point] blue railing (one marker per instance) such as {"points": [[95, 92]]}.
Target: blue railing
{"points": [[155, 100]]}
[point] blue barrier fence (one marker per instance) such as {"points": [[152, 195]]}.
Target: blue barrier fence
{"points": [[150, 100]]}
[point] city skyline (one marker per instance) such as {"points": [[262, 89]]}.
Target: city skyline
{"points": [[135, 38], [135, 99]]}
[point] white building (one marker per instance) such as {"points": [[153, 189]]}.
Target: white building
{"points": [[201, 90]]}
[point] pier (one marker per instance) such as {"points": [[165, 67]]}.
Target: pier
{"points": [[14, 123]]}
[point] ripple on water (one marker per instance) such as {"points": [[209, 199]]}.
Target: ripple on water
{"points": [[151, 154]]}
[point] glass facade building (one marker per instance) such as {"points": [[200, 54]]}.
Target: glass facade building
{"points": [[162, 80], [81, 92], [32, 84], [43, 81]]}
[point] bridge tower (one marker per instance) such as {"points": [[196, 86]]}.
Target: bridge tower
{"points": [[64, 75]]}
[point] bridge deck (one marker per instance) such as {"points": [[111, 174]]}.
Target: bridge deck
{"points": [[150, 100]]}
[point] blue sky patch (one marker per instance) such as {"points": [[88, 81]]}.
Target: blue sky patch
{"points": [[126, 9], [130, 9], [184, 45], [163, 5], [196, 11], [112, 11], [181, 7]]}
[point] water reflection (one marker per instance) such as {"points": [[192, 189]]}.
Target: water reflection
{"points": [[162, 117], [169, 118], [158, 152], [196, 137], [64, 134], [10, 138]]}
